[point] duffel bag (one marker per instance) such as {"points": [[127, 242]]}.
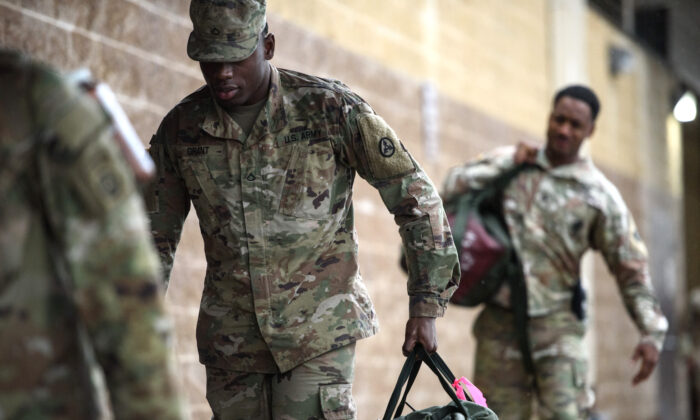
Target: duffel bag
{"points": [[456, 409]]}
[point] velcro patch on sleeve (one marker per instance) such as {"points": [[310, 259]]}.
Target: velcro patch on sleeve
{"points": [[386, 156], [102, 179], [79, 123]]}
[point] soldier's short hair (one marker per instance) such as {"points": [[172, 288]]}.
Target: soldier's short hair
{"points": [[582, 93]]}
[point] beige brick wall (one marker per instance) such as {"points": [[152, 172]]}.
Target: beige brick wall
{"points": [[488, 54], [618, 96], [464, 133], [489, 62]]}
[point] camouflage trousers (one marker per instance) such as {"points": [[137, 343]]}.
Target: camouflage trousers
{"points": [[318, 389], [558, 389]]}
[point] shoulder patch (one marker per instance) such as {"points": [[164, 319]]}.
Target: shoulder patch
{"points": [[74, 122], [386, 155], [102, 178]]}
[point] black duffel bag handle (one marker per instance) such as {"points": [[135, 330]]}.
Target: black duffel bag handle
{"points": [[408, 375]]}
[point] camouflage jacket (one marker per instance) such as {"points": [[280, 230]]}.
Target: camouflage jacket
{"points": [[79, 278], [275, 210], [555, 214]]}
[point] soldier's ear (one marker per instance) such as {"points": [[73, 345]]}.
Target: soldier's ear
{"points": [[591, 131], [269, 46]]}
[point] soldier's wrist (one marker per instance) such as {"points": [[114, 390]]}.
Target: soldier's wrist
{"points": [[425, 307]]}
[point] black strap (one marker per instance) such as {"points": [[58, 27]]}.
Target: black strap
{"points": [[518, 302], [518, 297], [408, 375], [495, 186], [442, 366], [409, 384], [444, 374], [403, 377]]}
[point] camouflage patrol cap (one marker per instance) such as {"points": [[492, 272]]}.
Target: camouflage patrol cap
{"points": [[225, 30]]}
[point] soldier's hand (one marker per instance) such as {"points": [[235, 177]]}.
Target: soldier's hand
{"points": [[420, 330], [649, 356], [525, 153]]}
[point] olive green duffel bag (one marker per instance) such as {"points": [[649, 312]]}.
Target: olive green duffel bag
{"points": [[456, 409]]}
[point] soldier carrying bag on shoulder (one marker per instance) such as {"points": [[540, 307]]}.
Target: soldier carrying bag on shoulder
{"points": [[481, 236], [486, 254]]}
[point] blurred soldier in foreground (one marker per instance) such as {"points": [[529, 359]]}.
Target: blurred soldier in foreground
{"points": [[268, 157], [554, 214], [79, 278]]}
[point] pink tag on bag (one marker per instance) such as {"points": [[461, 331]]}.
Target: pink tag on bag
{"points": [[473, 392]]}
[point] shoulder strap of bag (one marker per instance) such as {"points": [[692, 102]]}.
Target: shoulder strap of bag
{"points": [[468, 201], [518, 303], [465, 204]]}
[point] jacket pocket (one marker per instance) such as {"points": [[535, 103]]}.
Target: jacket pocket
{"points": [[212, 184], [307, 192]]}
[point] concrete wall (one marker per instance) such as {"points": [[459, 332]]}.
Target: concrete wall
{"points": [[490, 67]]}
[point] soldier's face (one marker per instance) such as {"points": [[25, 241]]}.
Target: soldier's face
{"points": [[243, 82], [570, 123]]}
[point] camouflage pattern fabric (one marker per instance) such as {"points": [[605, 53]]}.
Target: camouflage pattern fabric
{"points": [[225, 30], [79, 278], [294, 395], [559, 360], [554, 216], [275, 209]]}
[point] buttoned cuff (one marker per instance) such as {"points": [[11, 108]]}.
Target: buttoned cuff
{"points": [[426, 307]]}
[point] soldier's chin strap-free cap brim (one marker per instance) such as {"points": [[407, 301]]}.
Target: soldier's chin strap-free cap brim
{"points": [[216, 49]]}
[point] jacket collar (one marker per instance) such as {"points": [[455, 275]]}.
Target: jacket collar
{"points": [[218, 122], [582, 170], [276, 116]]}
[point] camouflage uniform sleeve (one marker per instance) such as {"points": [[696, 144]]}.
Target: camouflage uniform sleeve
{"points": [[474, 174], [112, 267], [167, 198], [372, 148], [615, 235]]}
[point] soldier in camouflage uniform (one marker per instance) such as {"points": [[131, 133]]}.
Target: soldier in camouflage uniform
{"points": [[268, 157], [79, 277], [554, 214]]}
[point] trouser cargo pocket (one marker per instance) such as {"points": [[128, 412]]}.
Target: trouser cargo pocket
{"points": [[337, 402]]}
